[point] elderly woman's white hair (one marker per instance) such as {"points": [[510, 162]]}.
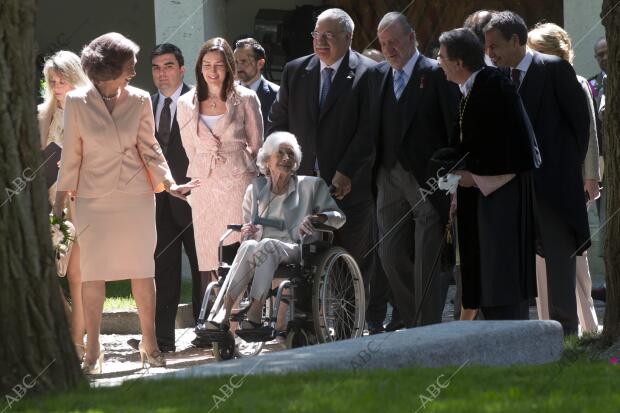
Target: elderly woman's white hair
{"points": [[271, 146]]}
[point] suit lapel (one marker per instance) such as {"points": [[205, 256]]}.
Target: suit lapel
{"points": [[342, 81], [94, 97], [412, 94], [531, 89], [311, 78]]}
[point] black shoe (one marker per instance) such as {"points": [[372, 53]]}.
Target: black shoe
{"points": [[599, 293], [394, 325], [133, 343], [199, 342], [375, 327]]}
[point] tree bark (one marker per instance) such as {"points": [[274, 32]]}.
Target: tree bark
{"points": [[36, 353], [611, 21]]}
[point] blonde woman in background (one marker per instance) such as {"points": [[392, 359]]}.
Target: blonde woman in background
{"points": [[62, 73], [551, 39]]}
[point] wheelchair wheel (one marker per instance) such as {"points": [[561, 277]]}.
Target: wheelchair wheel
{"points": [[297, 338], [338, 301], [224, 350]]}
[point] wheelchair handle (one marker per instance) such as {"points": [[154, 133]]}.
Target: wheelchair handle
{"points": [[234, 227]]}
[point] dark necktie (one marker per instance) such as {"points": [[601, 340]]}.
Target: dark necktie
{"points": [[515, 75], [326, 74], [163, 131]]}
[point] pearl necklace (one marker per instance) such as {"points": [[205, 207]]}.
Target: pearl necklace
{"points": [[110, 98]]}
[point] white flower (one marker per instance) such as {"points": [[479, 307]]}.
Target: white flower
{"points": [[57, 235]]}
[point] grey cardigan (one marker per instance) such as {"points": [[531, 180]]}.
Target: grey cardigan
{"points": [[306, 195]]}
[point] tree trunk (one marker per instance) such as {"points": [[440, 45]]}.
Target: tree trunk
{"points": [[611, 124], [36, 353]]}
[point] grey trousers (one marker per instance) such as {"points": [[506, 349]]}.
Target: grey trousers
{"points": [[258, 261], [410, 234]]}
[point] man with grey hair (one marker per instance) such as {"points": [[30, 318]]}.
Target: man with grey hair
{"points": [[414, 112], [323, 100]]}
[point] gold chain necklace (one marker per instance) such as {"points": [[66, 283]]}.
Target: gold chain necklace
{"points": [[462, 108]]}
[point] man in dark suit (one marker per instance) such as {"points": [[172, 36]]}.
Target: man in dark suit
{"points": [[414, 109], [494, 197], [175, 231], [323, 100], [557, 108], [250, 60]]}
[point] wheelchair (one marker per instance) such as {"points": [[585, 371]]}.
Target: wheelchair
{"points": [[324, 292]]}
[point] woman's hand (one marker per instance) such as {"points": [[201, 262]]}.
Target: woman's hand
{"points": [[307, 228], [249, 230], [179, 191], [590, 187], [466, 180]]}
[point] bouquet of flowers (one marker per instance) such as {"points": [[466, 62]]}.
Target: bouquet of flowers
{"points": [[63, 235]]}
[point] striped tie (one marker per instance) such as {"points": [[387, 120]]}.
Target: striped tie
{"points": [[399, 83]]}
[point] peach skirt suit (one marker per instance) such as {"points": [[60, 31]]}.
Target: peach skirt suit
{"points": [[224, 159], [113, 164]]}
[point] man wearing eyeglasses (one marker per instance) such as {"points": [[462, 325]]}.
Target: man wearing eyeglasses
{"points": [[250, 59], [323, 100]]}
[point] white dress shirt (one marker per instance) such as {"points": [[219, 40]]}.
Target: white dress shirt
{"points": [[524, 64], [334, 66], [408, 68], [173, 105], [254, 84]]}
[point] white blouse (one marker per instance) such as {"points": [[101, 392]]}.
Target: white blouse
{"points": [[57, 128], [210, 120]]}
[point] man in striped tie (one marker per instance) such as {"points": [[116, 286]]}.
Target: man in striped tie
{"points": [[414, 115]]}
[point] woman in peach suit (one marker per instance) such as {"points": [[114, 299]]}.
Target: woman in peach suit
{"points": [[63, 72], [113, 165], [221, 130]]}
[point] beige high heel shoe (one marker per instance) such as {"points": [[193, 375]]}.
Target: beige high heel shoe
{"points": [[155, 359], [96, 367]]}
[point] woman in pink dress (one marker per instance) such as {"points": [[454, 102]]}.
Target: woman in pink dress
{"points": [[221, 130]]}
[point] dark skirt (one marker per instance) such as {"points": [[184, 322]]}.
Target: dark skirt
{"points": [[496, 244]]}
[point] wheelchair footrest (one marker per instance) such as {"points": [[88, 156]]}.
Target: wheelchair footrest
{"points": [[213, 336], [256, 335]]}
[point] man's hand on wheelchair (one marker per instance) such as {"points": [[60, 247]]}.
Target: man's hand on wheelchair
{"points": [[341, 185], [307, 225]]}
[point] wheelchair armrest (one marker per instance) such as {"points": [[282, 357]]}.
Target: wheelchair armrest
{"points": [[234, 227], [319, 226]]}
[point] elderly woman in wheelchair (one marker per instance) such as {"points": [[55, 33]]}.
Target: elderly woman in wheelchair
{"points": [[280, 209]]}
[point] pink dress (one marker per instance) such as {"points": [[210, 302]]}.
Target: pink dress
{"points": [[224, 159]]}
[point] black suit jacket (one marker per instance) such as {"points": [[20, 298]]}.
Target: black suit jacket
{"points": [[266, 92], [431, 104], [178, 162], [337, 135], [558, 110]]}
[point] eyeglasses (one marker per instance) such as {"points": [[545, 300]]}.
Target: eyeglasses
{"points": [[327, 35]]}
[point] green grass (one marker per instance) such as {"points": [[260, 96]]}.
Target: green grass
{"points": [[580, 386], [118, 295]]}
